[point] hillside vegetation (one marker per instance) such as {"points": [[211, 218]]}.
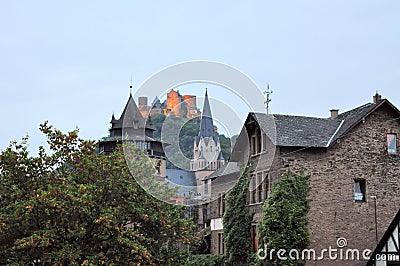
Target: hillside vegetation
{"points": [[190, 129]]}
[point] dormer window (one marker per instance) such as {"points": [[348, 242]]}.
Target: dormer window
{"points": [[392, 143]]}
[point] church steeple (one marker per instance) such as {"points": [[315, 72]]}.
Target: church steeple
{"points": [[207, 154], [206, 124]]}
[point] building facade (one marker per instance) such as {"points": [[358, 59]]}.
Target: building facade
{"points": [[354, 167], [132, 127], [387, 253], [207, 153]]}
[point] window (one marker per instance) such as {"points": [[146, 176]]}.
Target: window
{"points": [[206, 187], [266, 185], [259, 187], [221, 204], [221, 245], [253, 189], [258, 140], [392, 143], [254, 236], [359, 190], [264, 139], [253, 145], [260, 184]]}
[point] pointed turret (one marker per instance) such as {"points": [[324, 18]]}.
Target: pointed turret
{"points": [[132, 126], [206, 124], [112, 119], [207, 147], [131, 115]]}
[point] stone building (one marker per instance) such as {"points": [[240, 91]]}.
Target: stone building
{"points": [[207, 158], [353, 162], [177, 104], [207, 154], [131, 126], [156, 107]]}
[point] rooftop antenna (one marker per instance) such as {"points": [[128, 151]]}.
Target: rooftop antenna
{"points": [[267, 94]]}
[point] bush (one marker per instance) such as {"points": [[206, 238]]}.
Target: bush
{"points": [[206, 260]]}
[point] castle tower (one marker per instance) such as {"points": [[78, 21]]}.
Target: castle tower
{"points": [[207, 154], [132, 126], [174, 99]]}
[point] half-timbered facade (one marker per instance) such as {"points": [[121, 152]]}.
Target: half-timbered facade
{"points": [[387, 253]]}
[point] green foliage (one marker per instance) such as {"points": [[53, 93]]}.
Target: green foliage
{"points": [[225, 146], [205, 260], [285, 219], [75, 207], [237, 222], [157, 121], [190, 129]]}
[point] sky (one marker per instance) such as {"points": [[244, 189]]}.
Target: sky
{"points": [[71, 62]]}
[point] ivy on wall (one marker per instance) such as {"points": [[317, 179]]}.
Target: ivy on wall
{"points": [[237, 222], [285, 219]]}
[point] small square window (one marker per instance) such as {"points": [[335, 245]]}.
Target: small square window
{"points": [[392, 143], [359, 190]]}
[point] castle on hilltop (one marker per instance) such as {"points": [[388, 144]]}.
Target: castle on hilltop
{"points": [[177, 104]]}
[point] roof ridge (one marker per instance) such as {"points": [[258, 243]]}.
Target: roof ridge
{"points": [[314, 117], [357, 108]]}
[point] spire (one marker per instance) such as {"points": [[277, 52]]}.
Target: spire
{"points": [[131, 116], [206, 124], [130, 85]]}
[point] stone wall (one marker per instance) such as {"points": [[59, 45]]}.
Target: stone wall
{"points": [[361, 154]]}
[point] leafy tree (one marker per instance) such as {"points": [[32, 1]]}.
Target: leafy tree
{"points": [[225, 146], [157, 121], [237, 222], [205, 260], [74, 207], [284, 222]]}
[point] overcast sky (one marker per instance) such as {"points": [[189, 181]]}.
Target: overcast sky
{"points": [[70, 62]]}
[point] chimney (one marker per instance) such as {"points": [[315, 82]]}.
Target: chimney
{"points": [[334, 113], [377, 97]]}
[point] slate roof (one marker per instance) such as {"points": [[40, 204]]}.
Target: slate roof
{"points": [[131, 137], [353, 117], [226, 169], [302, 131], [206, 123], [132, 113], [185, 180], [299, 131]]}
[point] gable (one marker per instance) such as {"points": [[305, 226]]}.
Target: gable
{"points": [[356, 116], [314, 132], [388, 248]]}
